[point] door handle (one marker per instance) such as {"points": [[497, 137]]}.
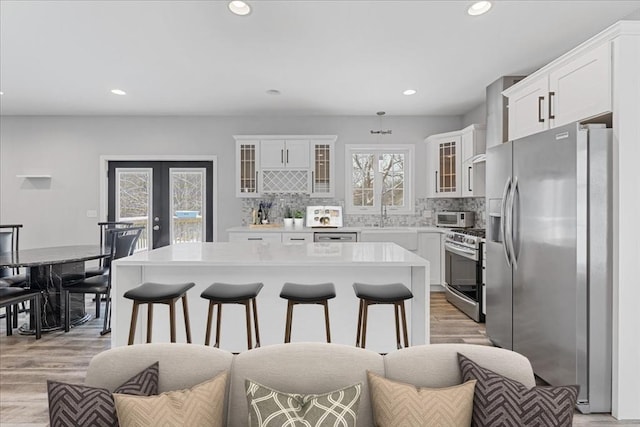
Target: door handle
{"points": [[156, 227], [551, 96], [504, 219], [540, 104]]}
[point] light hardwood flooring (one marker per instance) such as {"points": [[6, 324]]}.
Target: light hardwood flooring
{"points": [[27, 364]]}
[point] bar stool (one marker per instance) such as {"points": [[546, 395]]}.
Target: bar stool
{"points": [[307, 294], [156, 293], [224, 293], [395, 294]]}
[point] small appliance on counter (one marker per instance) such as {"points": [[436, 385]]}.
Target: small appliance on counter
{"points": [[324, 216], [451, 219]]}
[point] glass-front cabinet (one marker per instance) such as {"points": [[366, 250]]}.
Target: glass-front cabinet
{"points": [[273, 164], [444, 154]]}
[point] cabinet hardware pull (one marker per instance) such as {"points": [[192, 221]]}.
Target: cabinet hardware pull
{"points": [[297, 238], [287, 156], [254, 238], [256, 182], [540, 103], [282, 156], [551, 95], [313, 182], [436, 181], [469, 179]]}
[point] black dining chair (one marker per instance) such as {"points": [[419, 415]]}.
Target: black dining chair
{"points": [[11, 277], [103, 263], [123, 243]]}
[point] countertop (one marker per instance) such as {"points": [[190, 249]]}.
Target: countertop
{"points": [[263, 253], [246, 229]]}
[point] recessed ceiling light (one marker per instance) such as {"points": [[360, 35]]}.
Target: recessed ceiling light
{"points": [[478, 8], [409, 92], [273, 92], [1, 93], [118, 92], [239, 7]]}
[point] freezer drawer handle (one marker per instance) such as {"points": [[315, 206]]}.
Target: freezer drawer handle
{"points": [[540, 104]]}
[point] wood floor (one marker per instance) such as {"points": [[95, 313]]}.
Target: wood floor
{"points": [[26, 365]]}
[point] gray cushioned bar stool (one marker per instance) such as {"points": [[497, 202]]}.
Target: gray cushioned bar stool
{"points": [[157, 293], [224, 293], [307, 294], [395, 293]]}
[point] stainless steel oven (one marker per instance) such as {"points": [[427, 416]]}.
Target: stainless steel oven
{"points": [[463, 271]]}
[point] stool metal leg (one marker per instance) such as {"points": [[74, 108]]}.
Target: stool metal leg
{"points": [[172, 319], [134, 319], [149, 321], [35, 306], [7, 316], [326, 319], [185, 312], [207, 336], [67, 310], [218, 324], [404, 324], [247, 310], [255, 322], [358, 341], [397, 316]]}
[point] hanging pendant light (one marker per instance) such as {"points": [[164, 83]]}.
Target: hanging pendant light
{"points": [[380, 131]]}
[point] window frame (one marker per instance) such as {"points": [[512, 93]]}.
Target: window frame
{"points": [[408, 151]]}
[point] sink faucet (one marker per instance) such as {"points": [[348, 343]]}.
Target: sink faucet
{"points": [[383, 214]]}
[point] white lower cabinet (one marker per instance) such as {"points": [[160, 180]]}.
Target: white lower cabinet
{"points": [[293, 237], [430, 248]]}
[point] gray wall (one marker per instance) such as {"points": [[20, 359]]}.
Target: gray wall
{"points": [[477, 115], [54, 212]]}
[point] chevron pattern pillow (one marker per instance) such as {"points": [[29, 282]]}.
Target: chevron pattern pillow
{"points": [[201, 405], [397, 404], [502, 401], [80, 405], [272, 408]]}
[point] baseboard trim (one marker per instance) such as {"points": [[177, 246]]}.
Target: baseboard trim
{"points": [[437, 288]]}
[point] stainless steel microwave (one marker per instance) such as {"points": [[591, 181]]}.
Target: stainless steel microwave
{"points": [[455, 219]]}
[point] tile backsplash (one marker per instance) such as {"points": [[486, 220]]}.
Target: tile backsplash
{"points": [[424, 216]]}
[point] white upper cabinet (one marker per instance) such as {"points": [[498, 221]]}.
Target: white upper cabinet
{"points": [[280, 154], [575, 87], [272, 164], [451, 168]]}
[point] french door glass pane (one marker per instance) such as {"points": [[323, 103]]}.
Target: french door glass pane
{"points": [[187, 197], [133, 200]]}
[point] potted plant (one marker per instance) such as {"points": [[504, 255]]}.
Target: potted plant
{"points": [[298, 219], [288, 217]]}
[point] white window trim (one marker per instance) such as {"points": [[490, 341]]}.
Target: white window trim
{"points": [[408, 150]]}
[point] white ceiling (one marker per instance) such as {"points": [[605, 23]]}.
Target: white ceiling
{"points": [[326, 57]]}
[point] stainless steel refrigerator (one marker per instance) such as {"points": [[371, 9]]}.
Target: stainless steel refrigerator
{"points": [[548, 290]]}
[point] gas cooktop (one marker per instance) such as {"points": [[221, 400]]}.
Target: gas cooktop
{"points": [[476, 232]]}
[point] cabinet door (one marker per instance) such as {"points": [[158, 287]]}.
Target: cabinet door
{"points": [[582, 88], [247, 155], [296, 154], [432, 169], [448, 168], [430, 248], [528, 109], [472, 180], [272, 154], [322, 169]]}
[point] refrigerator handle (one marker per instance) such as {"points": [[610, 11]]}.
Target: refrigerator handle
{"points": [[503, 220], [509, 240]]}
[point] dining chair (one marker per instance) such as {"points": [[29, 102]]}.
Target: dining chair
{"points": [[10, 242], [123, 243], [103, 263]]}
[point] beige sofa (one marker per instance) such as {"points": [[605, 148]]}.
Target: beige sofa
{"points": [[300, 368]]}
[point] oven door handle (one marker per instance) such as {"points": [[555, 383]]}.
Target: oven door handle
{"points": [[467, 253]]}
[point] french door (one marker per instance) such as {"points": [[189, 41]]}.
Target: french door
{"points": [[173, 200]]}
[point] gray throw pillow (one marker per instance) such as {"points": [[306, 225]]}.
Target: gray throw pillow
{"points": [[501, 401], [272, 408], [80, 405]]}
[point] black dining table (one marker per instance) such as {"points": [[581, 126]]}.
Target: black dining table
{"points": [[48, 269]]}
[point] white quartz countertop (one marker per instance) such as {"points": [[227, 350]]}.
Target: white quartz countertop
{"points": [[263, 253], [245, 229]]}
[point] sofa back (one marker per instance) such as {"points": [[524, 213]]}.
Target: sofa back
{"points": [[299, 368]]}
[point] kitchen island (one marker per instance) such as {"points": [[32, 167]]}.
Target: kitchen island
{"points": [[274, 263]]}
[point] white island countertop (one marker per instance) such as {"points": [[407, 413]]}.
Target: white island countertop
{"points": [[254, 253]]}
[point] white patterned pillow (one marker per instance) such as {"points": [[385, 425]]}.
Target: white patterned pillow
{"points": [[272, 408]]}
